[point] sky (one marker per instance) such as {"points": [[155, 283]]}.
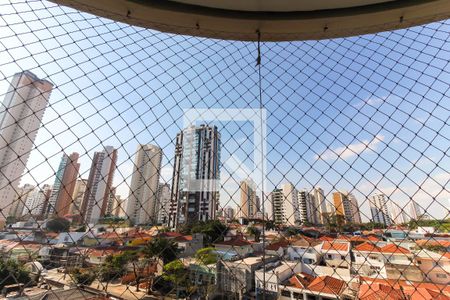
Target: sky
{"points": [[365, 114]]}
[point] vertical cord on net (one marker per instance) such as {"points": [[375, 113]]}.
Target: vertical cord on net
{"points": [[261, 140]]}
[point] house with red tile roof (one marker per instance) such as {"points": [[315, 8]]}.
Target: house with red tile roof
{"points": [[435, 266], [237, 244], [336, 254], [305, 249], [278, 248], [303, 286], [189, 244], [369, 260], [385, 261]]}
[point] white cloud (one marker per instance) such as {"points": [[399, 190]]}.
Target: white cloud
{"points": [[350, 150], [372, 101]]}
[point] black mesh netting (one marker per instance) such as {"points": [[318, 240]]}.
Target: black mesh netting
{"points": [[139, 164]]}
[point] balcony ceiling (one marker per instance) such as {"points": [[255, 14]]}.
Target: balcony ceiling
{"points": [[275, 20]]}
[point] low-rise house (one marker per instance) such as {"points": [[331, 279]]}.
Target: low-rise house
{"points": [[389, 261], [203, 277], [77, 239], [237, 278], [307, 287], [269, 278], [369, 261], [435, 266], [336, 254], [400, 264], [19, 251], [237, 244], [189, 244], [278, 248], [441, 243], [390, 289], [306, 250]]}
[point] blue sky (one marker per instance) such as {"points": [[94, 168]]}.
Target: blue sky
{"points": [[366, 114]]}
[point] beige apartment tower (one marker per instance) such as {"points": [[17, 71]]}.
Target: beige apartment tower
{"points": [[143, 197], [99, 185], [20, 118], [249, 201]]}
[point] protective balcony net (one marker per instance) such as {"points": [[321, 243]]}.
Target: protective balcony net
{"points": [[140, 164]]}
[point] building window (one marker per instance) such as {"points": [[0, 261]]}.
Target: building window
{"points": [[286, 293]]}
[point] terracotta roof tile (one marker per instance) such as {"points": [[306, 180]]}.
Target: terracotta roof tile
{"points": [[392, 248], [238, 242], [277, 245], [369, 247], [336, 246], [301, 280], [327, 284], [377, 291]]}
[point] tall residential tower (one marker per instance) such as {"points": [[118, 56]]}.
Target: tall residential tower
{"points": [[249, 200], [66, 178], [379, 209], [99, 185], [142, 200], [20, 118], [196, 175]]}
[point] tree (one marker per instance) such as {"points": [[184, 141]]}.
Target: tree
{"points": [[113, 267], [270, 225], [213, 230], [81, 229], [58, 225], [138, 265], [291, 231], [206, 256], [166, 250], [435, 248], [176, 273], [255, 232], [11, 273], [84, 277]]}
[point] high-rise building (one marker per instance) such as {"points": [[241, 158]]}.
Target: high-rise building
{"points": [[306, 208], [36, 201], [195, 187], [379, 209], [19, 200], [112, 202], [346, 207], [99, 185], [65, 181], [142, 200], [249, 199], [118, 209], [321, 206], [20, 118], [163, 207], [78, 196], [355, 212], [397, 216], [285, 205], [276, 198], [413, 212]]}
